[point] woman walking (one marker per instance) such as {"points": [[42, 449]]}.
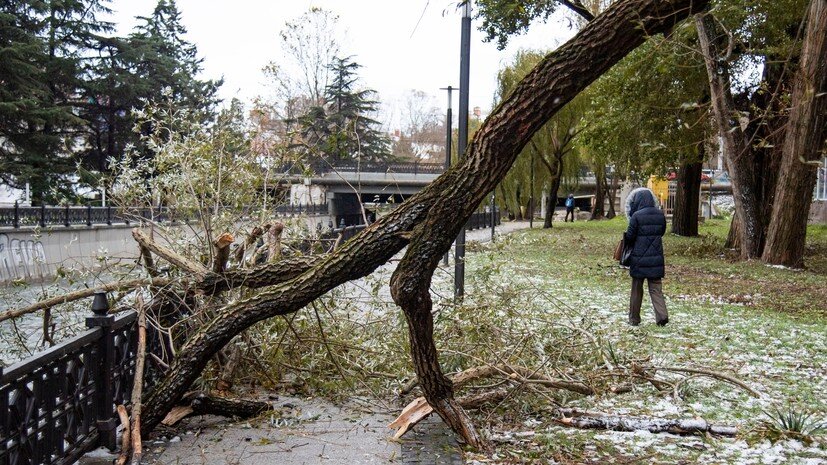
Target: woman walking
{"points": [[647, 225]]}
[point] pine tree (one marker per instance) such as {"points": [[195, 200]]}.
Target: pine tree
{"points": [[354, 133], [343, 129], [46, 55], [167, 60], [153, 64]]}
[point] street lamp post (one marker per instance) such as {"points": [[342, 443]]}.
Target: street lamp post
{"points": [[464, 72], [448, 121]]}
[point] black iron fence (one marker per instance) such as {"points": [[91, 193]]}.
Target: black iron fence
{"points": [[60, 403], [44, 215], [483, 219]]}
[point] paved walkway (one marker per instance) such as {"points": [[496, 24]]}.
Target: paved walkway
{"points": [[309, 431], [299, 432], [484, 235]]}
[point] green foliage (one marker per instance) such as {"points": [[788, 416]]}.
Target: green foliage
{"points": [[792, 422], [199, 171], [69, 89], [42, 46], [649, 111], [343, 128], [504, 18], [556, 159]]}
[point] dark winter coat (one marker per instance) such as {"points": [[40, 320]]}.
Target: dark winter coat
{"points": [[647, 225]]}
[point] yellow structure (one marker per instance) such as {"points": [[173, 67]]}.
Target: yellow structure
{"points": [[660, 186]]}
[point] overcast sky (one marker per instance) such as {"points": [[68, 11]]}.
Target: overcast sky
{"points": [[398, 50]]}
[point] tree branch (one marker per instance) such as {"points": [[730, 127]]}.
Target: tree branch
{"points": [[578, 8], [198, 270], [81, 294]]}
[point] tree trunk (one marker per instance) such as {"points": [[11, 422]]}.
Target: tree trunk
{"points": [[555, 172], [429, 220], [598, 209], [551, 201], [611, 195], [733, 240], [737, 150], [688, 196], [802, 147], [519, 211]]}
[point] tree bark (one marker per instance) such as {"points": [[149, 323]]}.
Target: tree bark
{"points": [[688, 196], [611, 195], [736, 147], [433, 217], [555, 172], [551, 201], [802, 147], [588, 420], [598, 209]]}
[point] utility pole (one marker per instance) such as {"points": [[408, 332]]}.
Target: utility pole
{"points": [[448, 122], [464, 72]]}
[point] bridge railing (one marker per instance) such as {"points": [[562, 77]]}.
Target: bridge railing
{"points": [[45, 215], [354, 166], [60, 403]]}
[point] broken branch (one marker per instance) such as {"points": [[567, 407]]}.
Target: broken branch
{"points": [[590, 420], [81, 294], [714, 374], [125, 441], [195, 268]]}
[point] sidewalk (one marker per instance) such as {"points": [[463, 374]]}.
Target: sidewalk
{"points": [[308, 431], [300, 431], [506, 227]]}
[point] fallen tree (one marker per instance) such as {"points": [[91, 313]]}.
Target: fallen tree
{"points": [[426, 223]]}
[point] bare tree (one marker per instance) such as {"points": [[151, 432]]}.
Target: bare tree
{"points": [[423, 132], [308, 45]]}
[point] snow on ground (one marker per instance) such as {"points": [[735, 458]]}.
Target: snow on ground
{"points": [[782, 358]]}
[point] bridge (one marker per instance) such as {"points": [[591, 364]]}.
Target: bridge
{"points": [[37, 242]]}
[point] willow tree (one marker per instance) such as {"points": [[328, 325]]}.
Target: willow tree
{"points": [[552, 147], [425, 224]]}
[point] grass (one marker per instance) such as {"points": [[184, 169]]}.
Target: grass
{"points": [[764, 325], [700, 267]]}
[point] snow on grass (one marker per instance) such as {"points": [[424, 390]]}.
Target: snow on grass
{"points": [[780, 356]]}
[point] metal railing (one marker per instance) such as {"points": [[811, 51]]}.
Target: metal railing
{"points": [[60, 403], [354, 166], [481, 220], [67, 216]]}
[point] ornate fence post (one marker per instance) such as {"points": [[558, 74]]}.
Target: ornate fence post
{"points": [[42, 215], [66, 216], [103, 368], [88, 215], [5, 428], [16, 215], [109, 215]]}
